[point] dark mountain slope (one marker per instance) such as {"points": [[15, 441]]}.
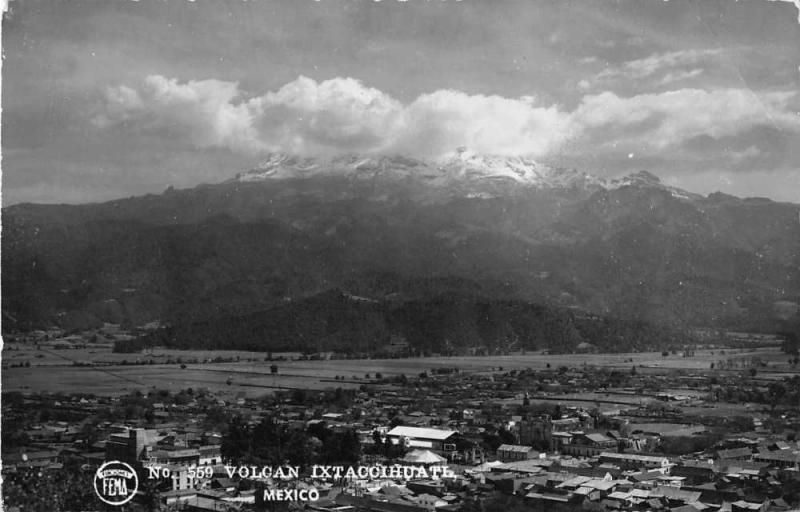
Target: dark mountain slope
{"points": [[451, 323], [633, 249]]}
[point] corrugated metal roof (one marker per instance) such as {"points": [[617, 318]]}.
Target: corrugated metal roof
{"points": [[421, 433], [514, 448], [598, 438]]}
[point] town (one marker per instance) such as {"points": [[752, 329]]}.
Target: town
{"points": [[717, 437]]}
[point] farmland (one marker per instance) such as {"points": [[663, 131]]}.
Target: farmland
{"points": [[96, 369]]}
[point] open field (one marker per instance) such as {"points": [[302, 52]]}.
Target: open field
{"points": [[19, 352], [125, 379], [55, 370]]}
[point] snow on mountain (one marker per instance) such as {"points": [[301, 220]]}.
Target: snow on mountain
{"points": [[459, 168], [281, 166], [647, 179]]}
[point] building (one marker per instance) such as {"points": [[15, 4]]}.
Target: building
{"points": [[635, 461], [538, 432], [210, 455], [511, 452], [142, 448], [784, 459], [735, 454], [131, 446], [423, 458], [587, 445], [436, 440]]}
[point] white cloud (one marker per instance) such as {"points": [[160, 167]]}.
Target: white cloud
{"points": [[666, 119], [748, 153], [343, 115], [337, 115], [680, 75], [676, 66], [333, 115], [650, 65], [205, 111], [438, 122]]}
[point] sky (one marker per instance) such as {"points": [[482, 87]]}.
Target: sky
{"points": [[111, 99]]}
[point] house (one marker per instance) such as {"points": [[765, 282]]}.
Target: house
{"points": [[433, 487], [429, 501], [674, 496], [588, 445], [32, 457], [550, 500], [735, 454], [783, 459], [187, 456], [696, 472], [635, 461], [749, 506], [377, 504], [210, 455], [42, 459], [559, 439], [226, 484], [510, 452], [203, 504]]}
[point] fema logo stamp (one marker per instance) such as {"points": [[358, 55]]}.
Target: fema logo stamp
{"points": [[115, 482]]}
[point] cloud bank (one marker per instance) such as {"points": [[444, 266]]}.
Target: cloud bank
{"points": [[342, 115], [336, 115]]}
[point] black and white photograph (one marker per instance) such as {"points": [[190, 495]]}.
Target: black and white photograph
{"points": [[400, 255]]}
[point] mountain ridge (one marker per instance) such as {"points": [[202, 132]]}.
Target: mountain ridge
{"points": [[458, 166], [635, 249]]}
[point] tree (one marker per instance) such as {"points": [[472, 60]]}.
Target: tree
{"points": [[300, 449], [237, 443], [89, 433], [776, 391], [299, 396], [149, 495], [69, 489], [341, 448]]}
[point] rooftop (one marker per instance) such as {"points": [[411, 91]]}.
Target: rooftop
{"points": [[421, 433]]}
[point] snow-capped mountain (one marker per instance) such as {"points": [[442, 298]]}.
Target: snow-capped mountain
{"points": [[647, 179], [459, 165], [466, 164], [390, 226], [462, 169]]}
